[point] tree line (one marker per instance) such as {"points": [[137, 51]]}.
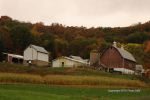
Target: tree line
{"points": [[61, 40]]}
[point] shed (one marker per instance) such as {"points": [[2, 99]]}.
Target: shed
{"points": [[36, 55], [13, 58]]}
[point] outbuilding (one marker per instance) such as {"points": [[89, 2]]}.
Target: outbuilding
{"points": [[118, 59], [13, 58], [68, 62], [36, 55]]}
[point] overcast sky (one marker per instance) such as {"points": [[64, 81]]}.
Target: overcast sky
{"points": [[87, 13]]}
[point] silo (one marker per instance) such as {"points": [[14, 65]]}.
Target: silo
{"points": [[94, 58]]}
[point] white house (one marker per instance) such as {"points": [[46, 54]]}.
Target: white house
{"points": [[36, 55], [68, 62]]}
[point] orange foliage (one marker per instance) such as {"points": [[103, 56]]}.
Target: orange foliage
{"points": [[147, 46], [37, 29]]}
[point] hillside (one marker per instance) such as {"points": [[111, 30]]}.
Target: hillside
{"points": [[60, 40]]}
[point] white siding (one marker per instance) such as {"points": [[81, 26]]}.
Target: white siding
{"points": [[32, 54], [55, 63], [124, 70], [27, 54], [43, 56]]}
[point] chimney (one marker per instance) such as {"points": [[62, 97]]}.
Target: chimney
{"points": [[115, 44]]}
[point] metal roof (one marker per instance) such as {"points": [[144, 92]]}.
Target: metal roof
{"points": [[125, 54], [76, 57], [14, 55], [38, 48], [80, 61]]}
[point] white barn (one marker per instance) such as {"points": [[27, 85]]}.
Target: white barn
{"points": [[68, 62], [36, 55]]}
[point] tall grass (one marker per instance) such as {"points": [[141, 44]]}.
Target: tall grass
{"points": [[69, 80], [14, 68]]}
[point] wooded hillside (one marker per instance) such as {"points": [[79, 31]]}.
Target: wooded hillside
{"points": [[60, 40]]}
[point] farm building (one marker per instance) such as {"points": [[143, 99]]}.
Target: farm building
{"points": [[36, 55], [79, 58], [68, 62], [94, 58], [13, 58], [118, 59], [139, 70]]}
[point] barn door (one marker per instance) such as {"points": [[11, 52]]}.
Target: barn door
{"points": [[62, 64]]}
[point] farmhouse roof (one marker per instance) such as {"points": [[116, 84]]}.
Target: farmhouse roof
{"points": [[125, 54], [38, 48]]}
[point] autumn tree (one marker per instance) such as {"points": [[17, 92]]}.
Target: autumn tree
{"points": [[21, 37], [1, 49]]}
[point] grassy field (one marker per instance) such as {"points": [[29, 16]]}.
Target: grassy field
{"points": [[18, 82], [39, 92], [101, 81], [15, 68], [12, 73]]}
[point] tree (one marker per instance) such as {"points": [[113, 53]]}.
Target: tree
{"points": [[2, 48], [147, 47], [47, 41], [137, 50], [137, 38], [21, 37], [60, 47], [6, 38]]}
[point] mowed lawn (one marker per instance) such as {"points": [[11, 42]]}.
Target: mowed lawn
{"points": [[42, 92]]}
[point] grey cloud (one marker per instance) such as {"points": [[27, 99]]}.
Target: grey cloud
{"points": [[78, 12]]}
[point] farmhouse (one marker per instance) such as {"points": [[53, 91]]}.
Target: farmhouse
{"points": [[36, 55], [118, 59], [72, 61]]}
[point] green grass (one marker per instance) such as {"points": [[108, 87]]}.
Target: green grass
{"points": [[40, 92], [46, 83]]}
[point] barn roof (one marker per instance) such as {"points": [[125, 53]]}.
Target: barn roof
{"points": [[14, 55], [38, 48], [76, 57], [125, 54], [80, 61]]}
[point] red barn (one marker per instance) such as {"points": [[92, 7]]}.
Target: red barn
{"points": [[118, 59]]}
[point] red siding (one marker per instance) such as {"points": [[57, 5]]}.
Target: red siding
{"points": [[111, 58]]}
